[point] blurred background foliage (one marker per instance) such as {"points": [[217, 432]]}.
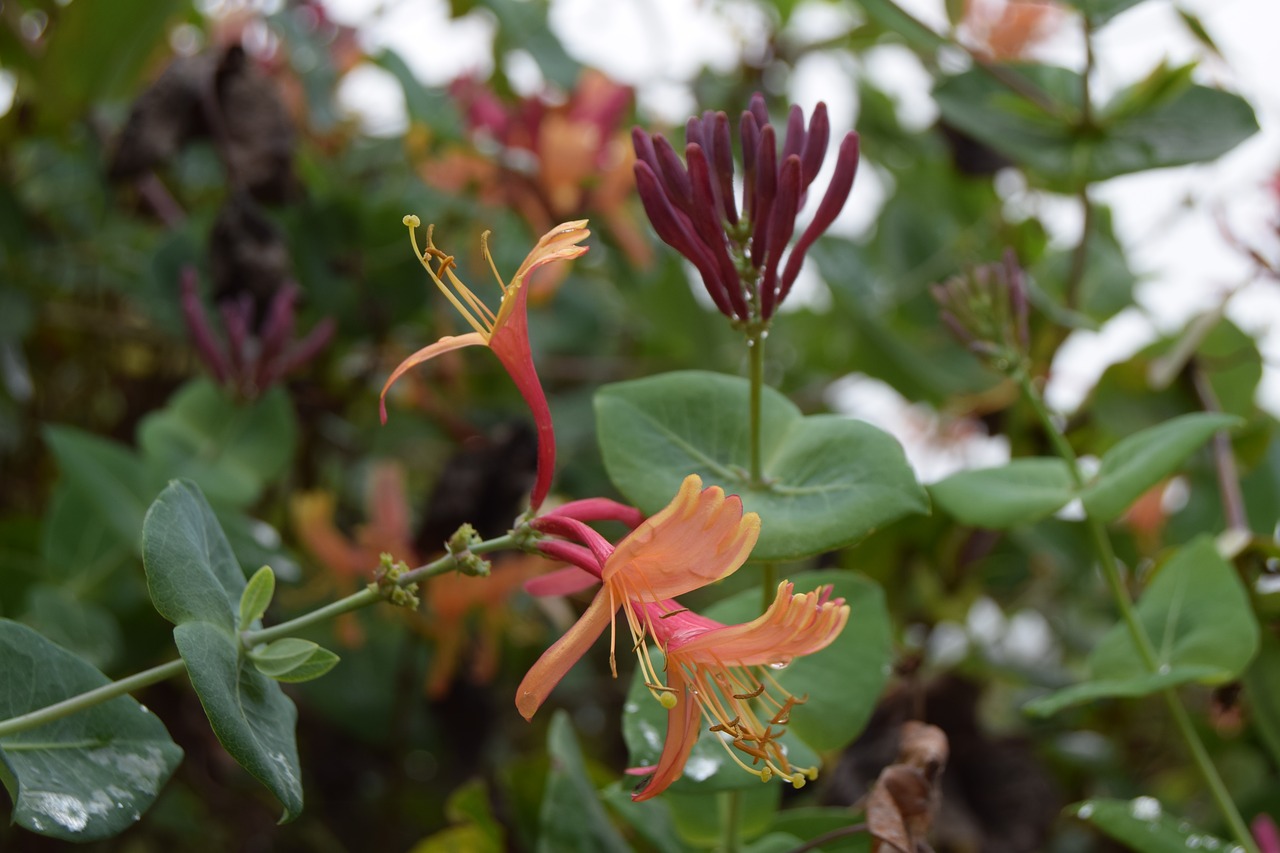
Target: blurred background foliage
{"points": [[152, 142]]}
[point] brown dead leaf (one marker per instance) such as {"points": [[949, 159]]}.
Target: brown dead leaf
{"points": [[902, 804]]}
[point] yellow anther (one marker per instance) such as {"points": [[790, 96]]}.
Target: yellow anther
{"points": [[411, 220], [667, 700], [797, 781]]}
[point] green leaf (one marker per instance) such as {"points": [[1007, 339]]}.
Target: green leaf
{"points": [[256, 597], [191, 573], [293, 660], [572, 816], [1101, 11], [808, 823], [231, 450], [832, 480], [1262, 687], [1023, 491], [107, 475], [651, 819], [699, 818], [1141, 824], [196, 583], [81, 627], [1141, 460], [1196, 613], [1187, 124], [252, 719], [80, 548], [96, 50], [86, 776]]}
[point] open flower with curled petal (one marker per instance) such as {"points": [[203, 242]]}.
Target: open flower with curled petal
{"points": [[505, 332], [722, 674], [702, 536]]}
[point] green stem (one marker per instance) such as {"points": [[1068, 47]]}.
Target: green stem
{"points": [[731, 807], [355, 601], [1111, 571], [249, 639], [370, 594], [769, 579], [80, 702], [755, 347]]}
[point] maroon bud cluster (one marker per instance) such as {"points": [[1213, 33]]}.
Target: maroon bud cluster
{"points": [[692, 207], [248, 364]]}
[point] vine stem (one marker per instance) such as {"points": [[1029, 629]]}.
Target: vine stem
{"points": [[355, 601], [731, 812], [98, 695], [1111, 571], [755, 349]]}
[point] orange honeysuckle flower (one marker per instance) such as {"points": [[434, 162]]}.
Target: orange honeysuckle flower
{"points": [[505, 332], [722, 673], [702, 536]]}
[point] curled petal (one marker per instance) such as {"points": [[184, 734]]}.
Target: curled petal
{"points": [[558, 244], [445, 344], [697, 539], [544, 675], [794, 625], [682, 734]]}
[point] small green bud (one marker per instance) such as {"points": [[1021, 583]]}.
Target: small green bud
{"points": [[386, 581]]}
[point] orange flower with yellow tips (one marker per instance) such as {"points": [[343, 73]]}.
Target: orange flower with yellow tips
{"points": [[721, 673], [702, 536], [505, 332]]}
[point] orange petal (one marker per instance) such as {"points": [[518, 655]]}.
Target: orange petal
{"points": [[698, 538], [544, 675], [560, 243], [794, 625], [448, 343], [682, 734]]}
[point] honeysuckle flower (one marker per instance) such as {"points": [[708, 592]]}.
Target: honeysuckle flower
{"points": [[700, 537], [548, 156], [505, 332], [691, 204], [721, 673]]}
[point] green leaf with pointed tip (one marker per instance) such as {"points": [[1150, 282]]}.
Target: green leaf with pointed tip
{"points": [[293, 660], [87, 776], [1262, 686], [1141, 460], [107, 475], [572, 816], [1020, 492], [831, 480], [1101, 11], [196, 583], [252, 719], [1196, 613], [256, 597], [232, 450], [1182, 124], [1142, 824]]}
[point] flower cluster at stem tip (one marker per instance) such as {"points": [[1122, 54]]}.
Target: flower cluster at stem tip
{"points": [[691, 204], [714, 672]]}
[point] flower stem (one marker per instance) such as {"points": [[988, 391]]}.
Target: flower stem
{"points": [[755, 349], [1111, 571], [88, 699], [730, 812]]}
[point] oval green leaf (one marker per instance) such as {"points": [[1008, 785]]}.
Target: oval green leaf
{"points": [[1197, 614], [1139, 461], [1141, 824], [196, 583], [831, 480], [1023, 491], [87, 776], [257, 596]]}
